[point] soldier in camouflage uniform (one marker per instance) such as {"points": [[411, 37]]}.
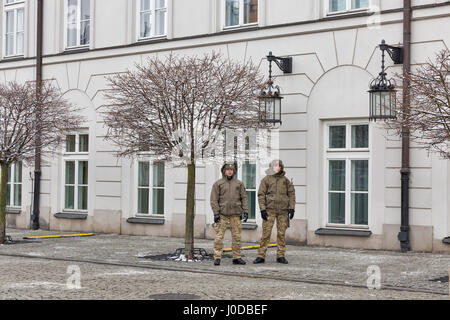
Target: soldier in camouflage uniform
{"points": [[230, 205], [276, 198]]}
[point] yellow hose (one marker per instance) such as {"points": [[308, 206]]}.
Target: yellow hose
{"points": [[61, 236], [250, 247]]}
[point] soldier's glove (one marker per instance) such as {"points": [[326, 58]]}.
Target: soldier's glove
{"points": [[264, 215], [244, 216], [291, 213], [216, 218]]}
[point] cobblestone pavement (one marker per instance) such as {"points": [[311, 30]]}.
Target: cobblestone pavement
{"points": [[112, 267], [47, 279]]}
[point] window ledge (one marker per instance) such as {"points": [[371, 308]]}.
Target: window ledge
{"points": [[246, 226], [249, 226], [347, 12], [153, 39], [146, 220], [343, 232], [13, 58], [76, 50], [230, 29], [13, 211], [75, 216], [446, 240]]}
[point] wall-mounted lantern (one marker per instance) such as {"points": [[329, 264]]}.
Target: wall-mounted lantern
{"points": [[270, 99], [382, 90]]}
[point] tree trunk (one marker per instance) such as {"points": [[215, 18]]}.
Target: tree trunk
{"points": [[3, 193], [190, 214]]}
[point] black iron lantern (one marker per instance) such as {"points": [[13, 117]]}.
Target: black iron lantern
{"points": [[382, 90], [270, 98], [270, 104]]}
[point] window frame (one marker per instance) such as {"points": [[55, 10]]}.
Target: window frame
{"points": [[152, 20], [233, 140], [348, 8], [11, 185], [14, 7], [348, 137], [347, 154], [241, 16], [150, 187], [77, 144], [76, 157], [78, 23], [255, 190]]}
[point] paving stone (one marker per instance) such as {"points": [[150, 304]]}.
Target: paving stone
{"points": [[112, 267]]}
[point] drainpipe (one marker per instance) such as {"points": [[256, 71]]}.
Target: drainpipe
{"points": [[404, 234], [37, 156]]}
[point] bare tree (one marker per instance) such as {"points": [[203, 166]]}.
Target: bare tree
{"points": [[176, 110], [20, 107], [428, 116]]}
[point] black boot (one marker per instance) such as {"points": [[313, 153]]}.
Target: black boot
{"points": [[282, 260], [217, 262], [259, 260], [239, 261]]}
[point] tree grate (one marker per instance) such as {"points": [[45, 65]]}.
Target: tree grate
{"points": [[199, 255]]}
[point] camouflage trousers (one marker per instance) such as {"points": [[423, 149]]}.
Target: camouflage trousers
{"points": [[220, 228], [282, 225]]}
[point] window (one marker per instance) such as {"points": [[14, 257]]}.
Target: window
{"points": [[240, 12], [76, 176], [337, 6], [347, 156], [248, 175], [151, 185], [14, 186], [14, 26], [241, 149], [152, 18], [78, 23]]}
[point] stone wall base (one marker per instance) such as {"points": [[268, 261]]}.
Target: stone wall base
{"points": [[111, 222]]}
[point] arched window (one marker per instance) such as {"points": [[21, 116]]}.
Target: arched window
{"points": [[76, 168], [347, 154]]}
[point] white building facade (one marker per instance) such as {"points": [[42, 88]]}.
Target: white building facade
{"points": [[346, 171]]}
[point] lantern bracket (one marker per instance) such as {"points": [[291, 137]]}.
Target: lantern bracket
{"points": [[396, 53], [285, 64]]}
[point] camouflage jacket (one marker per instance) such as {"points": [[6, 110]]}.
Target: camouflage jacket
{"points": [[229, 197], [276, 194]]}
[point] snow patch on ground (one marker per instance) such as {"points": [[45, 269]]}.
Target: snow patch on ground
{"points": [[412, 273], [35, 254], [126, 272], [182, 258]]}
